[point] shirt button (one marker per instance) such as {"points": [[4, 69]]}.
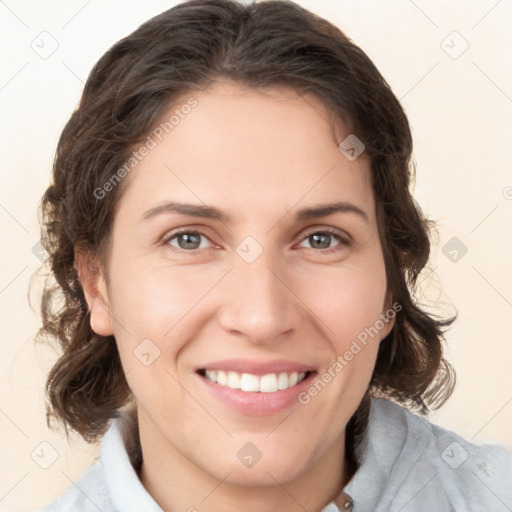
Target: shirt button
{"points": [[344, 502]]}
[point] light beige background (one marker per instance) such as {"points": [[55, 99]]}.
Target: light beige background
{"points": [[460, 110]]}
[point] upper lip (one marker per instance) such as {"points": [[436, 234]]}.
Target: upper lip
{"points": [[258, 367]]}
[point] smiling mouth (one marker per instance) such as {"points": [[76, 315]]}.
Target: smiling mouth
{"points": [[269, 383]]}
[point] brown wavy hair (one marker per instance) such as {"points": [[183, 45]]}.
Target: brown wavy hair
{"points": [[265, 44]]}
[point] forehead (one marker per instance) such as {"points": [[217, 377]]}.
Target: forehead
{"points": [[245, 148]]}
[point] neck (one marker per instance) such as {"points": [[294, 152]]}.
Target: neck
{"points": [[177, 484]]}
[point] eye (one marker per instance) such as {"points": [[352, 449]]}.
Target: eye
{"points": [[324, 239], [187, 240]]}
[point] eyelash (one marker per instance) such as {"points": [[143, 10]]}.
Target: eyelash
{"points": [[343, 242]]}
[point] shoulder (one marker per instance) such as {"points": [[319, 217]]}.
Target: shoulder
{"points": [[464, 471], [111, 483], [441, 443], [89, 494]]}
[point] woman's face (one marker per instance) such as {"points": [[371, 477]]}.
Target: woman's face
{"points": [[245, 251]]}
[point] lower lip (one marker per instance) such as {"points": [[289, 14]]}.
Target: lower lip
{"points": [[258, 403]]}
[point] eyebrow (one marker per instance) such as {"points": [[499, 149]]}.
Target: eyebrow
{"points": [[210, 212], [328, 209], [194, 210]]}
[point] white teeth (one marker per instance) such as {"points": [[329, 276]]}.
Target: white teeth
{"points": [[233, 380], [222, 378], [269, 383], [212, 375], [249, 382], [282, 381]]}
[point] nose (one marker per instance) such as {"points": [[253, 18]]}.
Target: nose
{"points": [[259, 302]]}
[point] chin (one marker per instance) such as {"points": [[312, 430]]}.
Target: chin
{"points": [[263, 476], [251, 467]]}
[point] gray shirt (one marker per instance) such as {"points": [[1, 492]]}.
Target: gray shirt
{"points": [[407, 465]]}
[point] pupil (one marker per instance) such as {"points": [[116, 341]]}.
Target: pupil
{"points": [[321, 241], [190, 241]]}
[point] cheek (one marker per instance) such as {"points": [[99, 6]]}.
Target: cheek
{"points": [[149, 305], [348, 302], [158, 310], [152, 300], [349, 306]]}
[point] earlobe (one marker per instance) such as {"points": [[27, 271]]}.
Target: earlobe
{"points": [[388, 316], [389, 322], [96, 294]]}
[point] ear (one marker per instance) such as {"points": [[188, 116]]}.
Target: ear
{"points": [[96, 294], [389, 323], [391, 309]]}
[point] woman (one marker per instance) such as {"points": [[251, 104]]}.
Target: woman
{"points": [[236, 248]]}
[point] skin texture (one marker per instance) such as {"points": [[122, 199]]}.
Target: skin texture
{"points": [[260, 157]]}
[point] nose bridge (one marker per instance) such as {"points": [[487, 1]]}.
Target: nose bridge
{"points": [[256, 301]]}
